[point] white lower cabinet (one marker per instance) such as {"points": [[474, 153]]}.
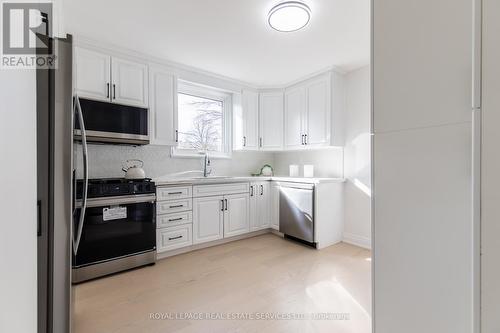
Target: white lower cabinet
{"points": [[208, 219], [275, 206], [172, 238], [260, 214], [236, 214]]}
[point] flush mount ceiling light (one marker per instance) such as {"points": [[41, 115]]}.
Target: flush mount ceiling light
{"points": [[289, 16]]}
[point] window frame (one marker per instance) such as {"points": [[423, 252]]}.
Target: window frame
{"points": [[197, 90]]}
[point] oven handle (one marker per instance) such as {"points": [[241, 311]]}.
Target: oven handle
{"points": [[120, 200], [77, 107]]}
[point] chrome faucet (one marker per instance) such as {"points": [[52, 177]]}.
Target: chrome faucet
{"points": [[207, 170]]}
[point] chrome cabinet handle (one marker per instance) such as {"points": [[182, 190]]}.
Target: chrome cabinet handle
{"points": [[172, 238], [176, 206]]}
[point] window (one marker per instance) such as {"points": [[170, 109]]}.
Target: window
{"points": [[203, 121]]}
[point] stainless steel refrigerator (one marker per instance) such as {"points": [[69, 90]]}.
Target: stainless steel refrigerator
{"points": [[55, 173]]}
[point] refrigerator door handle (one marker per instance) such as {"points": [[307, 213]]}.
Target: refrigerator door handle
{"points": [[76, 241]]}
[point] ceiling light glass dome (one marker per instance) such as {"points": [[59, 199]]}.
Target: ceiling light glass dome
{"points": [[289, 16]]}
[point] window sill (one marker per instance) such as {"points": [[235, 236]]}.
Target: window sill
{"points": [[176, 153]]}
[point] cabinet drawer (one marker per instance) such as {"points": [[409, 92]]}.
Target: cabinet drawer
{"points": [[174, 219], [174, 206], [220, 189], [174, 237], [173, 193]]}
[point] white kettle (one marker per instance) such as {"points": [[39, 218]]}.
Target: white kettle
{"points": [[133, 169]]}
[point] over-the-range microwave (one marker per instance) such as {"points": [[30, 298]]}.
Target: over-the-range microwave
{"points": [[113, 123]]}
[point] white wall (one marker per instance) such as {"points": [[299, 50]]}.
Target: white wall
{"points": [[357, 164], [106, 161], [490, 177], [422, 177], [18, 270], [327, 162]]}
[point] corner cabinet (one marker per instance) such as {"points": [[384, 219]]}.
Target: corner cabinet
{"points": [[250, 120], [163, 107], [103, 77], [271, 120]]}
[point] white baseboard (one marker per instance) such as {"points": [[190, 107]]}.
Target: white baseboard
{"points": [[361, 241]]}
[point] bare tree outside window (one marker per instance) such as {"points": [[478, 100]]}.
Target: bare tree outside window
{"points": [[200, 123]]}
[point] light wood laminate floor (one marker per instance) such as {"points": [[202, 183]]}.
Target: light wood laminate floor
{"points": [[257, 276]]}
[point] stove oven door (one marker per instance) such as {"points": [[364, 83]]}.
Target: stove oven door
{"points": [[116, 227]]}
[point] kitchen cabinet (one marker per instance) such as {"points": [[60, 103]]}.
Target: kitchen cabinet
{"points": [[275, 205], [271, 120], [103, 77], [92, 74], [250, 120], [163, 107], [308, 114], [260, 213], [174, 217], [295, 106], [236, 214], [220, 210], [129, 82]]}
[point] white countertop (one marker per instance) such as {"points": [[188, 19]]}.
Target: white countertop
{"points": [[169, 180]]}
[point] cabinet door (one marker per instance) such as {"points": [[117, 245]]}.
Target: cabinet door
{"points": [[254, 207], [295, 110], [275, 206], [318, 114], [236, 214], [92, 74], [271, 120], [250, 120], [130, 82], [208, 219], [264, 205], [163, 108]]}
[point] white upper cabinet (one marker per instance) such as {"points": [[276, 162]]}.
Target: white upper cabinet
{"points": [[308, 113], [92, 74], [250, 120], [271, 120], [163, 107], [236, 214], [318, 112], [102, 77], [130, 81], [295, 106]]}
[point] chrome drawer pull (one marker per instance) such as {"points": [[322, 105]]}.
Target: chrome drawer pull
{"points": [[172, 238], [176, 206]]}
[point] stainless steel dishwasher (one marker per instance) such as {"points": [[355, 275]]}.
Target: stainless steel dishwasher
{"points": [[297, 211]]}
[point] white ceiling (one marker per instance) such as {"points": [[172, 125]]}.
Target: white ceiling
{"points": [[230, 37]]}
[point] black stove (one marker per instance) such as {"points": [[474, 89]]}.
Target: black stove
{"points": [[110, 187]]}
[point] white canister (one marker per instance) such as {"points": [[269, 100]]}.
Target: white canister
{"points": [[294, 170], [308, 170]]}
